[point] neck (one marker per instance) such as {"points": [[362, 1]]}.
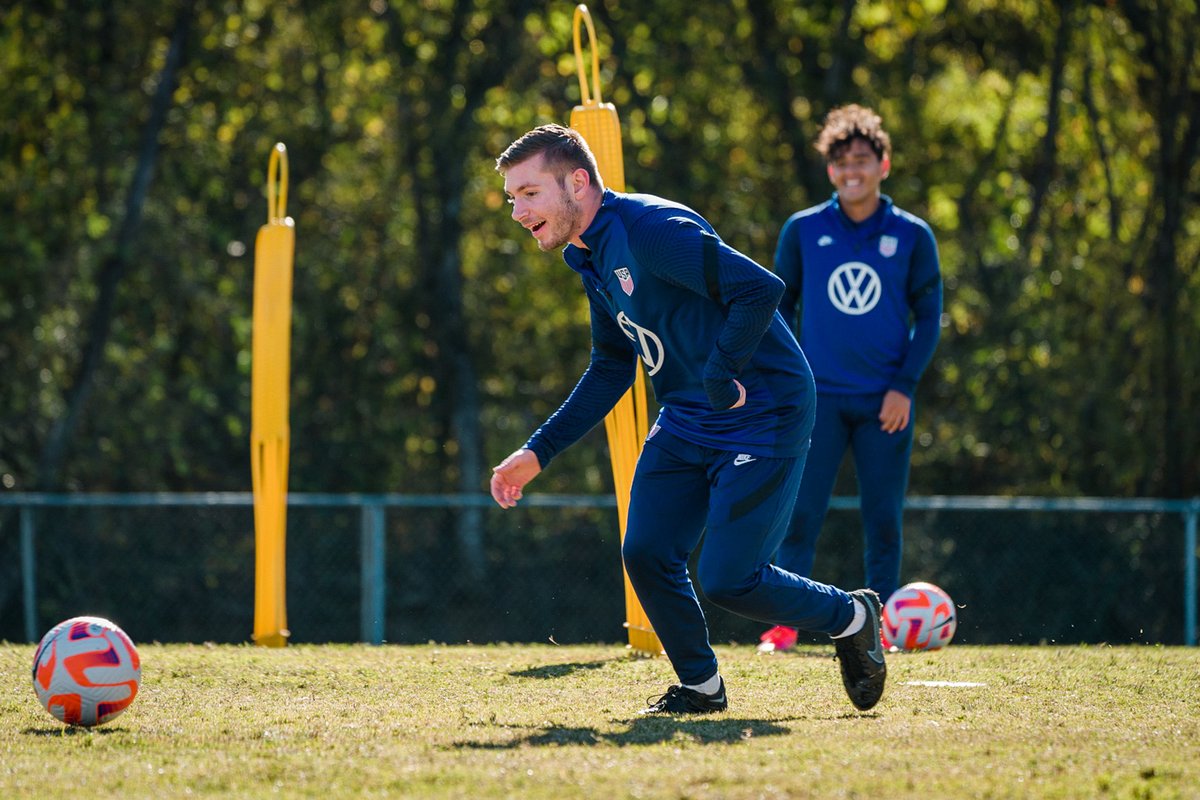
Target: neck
{"points": [[860, 210], [589, 207]]}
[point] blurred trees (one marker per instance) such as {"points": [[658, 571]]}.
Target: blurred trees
{"points": [[1051, 145]]}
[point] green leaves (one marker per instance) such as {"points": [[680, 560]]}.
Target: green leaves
{"points": [[413, 287]]}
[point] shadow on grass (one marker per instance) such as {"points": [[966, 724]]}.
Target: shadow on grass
{"points": [[71, 730], [645, 730], [560, 670]]}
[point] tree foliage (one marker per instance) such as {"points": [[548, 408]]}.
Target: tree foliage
{"points": [[1052, 146]]}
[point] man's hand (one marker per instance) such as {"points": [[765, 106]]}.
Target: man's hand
{"points": [[741, 401], [893, 415], [511, 475]]}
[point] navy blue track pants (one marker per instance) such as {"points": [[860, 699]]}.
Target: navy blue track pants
{"points": [[881, 462], [742, 505]]}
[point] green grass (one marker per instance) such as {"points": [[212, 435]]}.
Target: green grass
{"points": [[543, 721]]}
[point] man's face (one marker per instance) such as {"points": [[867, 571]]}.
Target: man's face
{"points": [[856, 173], [544, 208]]}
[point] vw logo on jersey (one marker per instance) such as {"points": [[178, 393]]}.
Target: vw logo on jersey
{"points": [[649, 345], [854, 288]]}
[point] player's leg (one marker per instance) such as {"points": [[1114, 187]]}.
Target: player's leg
{"points": [[881, 462], [749, 508], [668, 505], [830, 438]]}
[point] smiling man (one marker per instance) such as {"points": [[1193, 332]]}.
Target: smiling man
{"points": [[866, 279], [725, 456]]}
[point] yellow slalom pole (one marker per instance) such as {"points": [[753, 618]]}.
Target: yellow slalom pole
{"points": [[269, 378], [627, 424]]}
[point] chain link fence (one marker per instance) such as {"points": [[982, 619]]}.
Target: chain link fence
{"points": [[395, 568]]}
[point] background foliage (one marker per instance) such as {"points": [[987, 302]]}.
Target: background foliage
{"points": [[1051, 145]]}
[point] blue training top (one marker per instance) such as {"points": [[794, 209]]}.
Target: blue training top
{"points": [[870, 296], [663, 286]]}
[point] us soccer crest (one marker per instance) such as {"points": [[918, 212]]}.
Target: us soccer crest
{"points": [[888, 245], [625, 278]]}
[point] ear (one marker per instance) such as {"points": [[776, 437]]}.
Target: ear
{"points": [[580, 181], [829, 172], [886, 166]]}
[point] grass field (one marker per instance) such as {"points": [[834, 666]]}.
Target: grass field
{"points": [[545, 721]]}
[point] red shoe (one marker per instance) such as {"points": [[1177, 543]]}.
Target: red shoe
{"points": [[778, 639]]}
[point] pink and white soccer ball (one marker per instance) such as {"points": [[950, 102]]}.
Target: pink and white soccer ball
{"points": [[86, 671], [919, 616]]}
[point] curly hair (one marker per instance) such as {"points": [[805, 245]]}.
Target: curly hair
{"points": [[844, 124]]}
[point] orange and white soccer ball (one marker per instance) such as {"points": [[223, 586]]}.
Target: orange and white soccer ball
{"points": [[86, 671], [919, 616]]}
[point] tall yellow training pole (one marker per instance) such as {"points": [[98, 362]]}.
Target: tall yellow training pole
{"points": [[269, 378], [627, 423]]}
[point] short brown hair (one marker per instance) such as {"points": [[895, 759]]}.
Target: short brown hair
{"points": [[565, 150], [845, 124]]}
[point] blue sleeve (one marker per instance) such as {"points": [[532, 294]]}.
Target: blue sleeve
{"points": [[789, 266], [677, 250], [608, 376], [925, 300]]}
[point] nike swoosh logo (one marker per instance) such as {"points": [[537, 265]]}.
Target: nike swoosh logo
{"points": [[743, 458], [876, 651]]}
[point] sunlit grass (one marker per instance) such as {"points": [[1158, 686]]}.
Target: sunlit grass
{"points": [[540, 721]]}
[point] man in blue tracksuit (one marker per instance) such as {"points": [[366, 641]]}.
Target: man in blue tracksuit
{"points": [[726, 453], [865, 275]]}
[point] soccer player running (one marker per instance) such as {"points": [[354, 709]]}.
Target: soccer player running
{"points": [[865, 275], [726, 453]]}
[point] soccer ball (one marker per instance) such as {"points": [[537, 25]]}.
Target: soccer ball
{"points": [[919, 616], [86, 671]]}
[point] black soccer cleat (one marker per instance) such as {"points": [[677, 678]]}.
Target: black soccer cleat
{"points": [[682, 700], [860, 655]]}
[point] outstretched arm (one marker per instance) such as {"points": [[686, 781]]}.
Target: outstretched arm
{"points": [[608, 376], [510, 476]]}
